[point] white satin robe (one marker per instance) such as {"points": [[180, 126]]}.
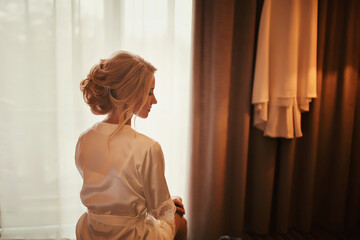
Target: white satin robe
{"points": [[124, 186]]}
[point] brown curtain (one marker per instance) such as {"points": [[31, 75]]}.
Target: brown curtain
{"points": [[242, 181]]}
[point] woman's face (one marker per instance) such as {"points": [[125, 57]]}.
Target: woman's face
{"points": [[144, 112]]}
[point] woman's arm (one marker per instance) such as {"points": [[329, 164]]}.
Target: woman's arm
{"points": [[180, 227], [180, 221]]}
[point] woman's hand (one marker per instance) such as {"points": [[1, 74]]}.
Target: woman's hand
{"points": [[180, 221], [180, 227], [179, 205]]}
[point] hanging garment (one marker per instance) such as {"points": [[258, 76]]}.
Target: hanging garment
{"points": [[285, 70]]}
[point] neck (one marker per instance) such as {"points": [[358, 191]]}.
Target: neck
{"points": [[113, 119]]}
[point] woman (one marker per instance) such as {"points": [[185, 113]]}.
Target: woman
{"points": [[124, 187]]}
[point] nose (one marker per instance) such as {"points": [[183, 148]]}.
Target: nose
{"points": [[154, 100]]}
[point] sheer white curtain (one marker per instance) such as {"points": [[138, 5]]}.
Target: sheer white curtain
{"points": [[47, 48]]}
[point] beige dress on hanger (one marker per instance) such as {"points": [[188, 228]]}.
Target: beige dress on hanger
{"points": [[285, 70]]}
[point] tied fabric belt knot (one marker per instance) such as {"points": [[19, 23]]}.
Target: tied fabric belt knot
{"points": [[115, 220]]}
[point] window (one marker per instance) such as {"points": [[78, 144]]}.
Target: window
{"points": [[47, 48]]}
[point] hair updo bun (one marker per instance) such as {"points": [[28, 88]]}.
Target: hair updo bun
{"points": [[95, 92], [116, 84]]}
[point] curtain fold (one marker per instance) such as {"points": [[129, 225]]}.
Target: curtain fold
{"points": [[211, 63], [218, 63], [339, 67], [243, 42], [242, 182]]}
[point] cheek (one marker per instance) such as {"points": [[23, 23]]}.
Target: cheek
{"points": [[137, 107]]}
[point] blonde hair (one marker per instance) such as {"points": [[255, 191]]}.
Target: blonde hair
{"points": [[117, 84]]}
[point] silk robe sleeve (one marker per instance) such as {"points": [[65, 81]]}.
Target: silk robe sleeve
{"points": [[158, 201]]}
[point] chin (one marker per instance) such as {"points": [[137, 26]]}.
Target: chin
{"points": [[143, 115]]}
